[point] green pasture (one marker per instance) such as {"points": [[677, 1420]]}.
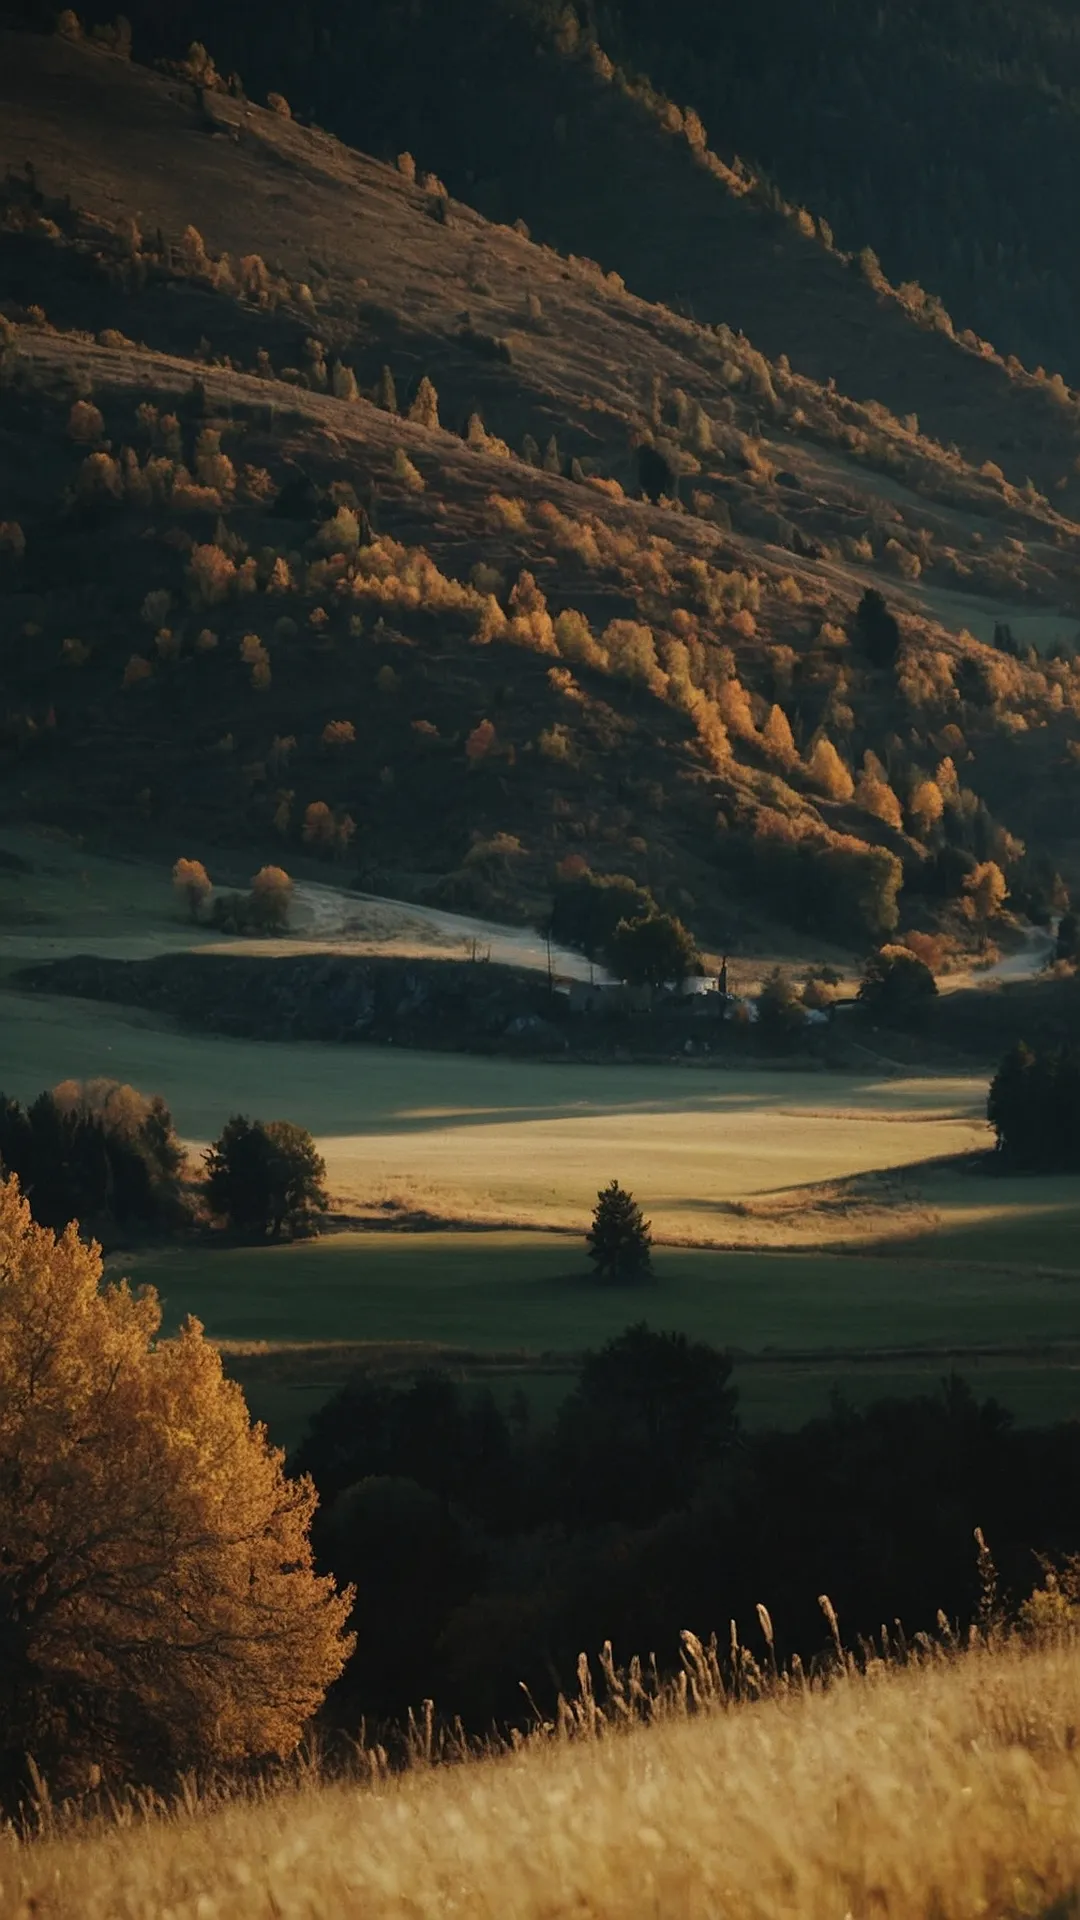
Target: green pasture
{"points": [[496, 1292], [870, 1323]]}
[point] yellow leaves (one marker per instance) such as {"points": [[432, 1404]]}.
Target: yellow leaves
{"points": [[172, 1571], [827, 771], [926, 807], [778, 739]]}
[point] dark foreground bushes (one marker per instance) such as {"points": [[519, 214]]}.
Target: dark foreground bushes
{"points": [[644, 1507]]}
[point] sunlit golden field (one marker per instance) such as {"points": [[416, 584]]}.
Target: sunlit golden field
{"points": [[953, 1791], [530, 1143]]}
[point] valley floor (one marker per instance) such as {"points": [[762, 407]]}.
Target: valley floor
{"points": [[831, 1228]]}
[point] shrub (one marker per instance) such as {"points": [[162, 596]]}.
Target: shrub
{"points": [[267, 1179], [176, 1620], [619, 1241], [12, 538], [192, 885], [278, 104], [337, 734]]}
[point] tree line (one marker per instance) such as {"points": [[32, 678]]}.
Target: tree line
{"points": [[104, 1154]]}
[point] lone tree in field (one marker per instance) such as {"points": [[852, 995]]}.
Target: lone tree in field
{"points": [[191, 884], [619, 1240], [266, 1178], [158, 1604]]}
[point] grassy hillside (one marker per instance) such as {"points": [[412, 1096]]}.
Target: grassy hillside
{"points": [[245, 600], [481, 91], [951, 1788]]}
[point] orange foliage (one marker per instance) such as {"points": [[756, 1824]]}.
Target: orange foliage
{"points": [[175, 1607]]}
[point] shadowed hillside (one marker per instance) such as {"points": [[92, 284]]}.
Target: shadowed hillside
{"points": [[347, 523], [511, 102]]}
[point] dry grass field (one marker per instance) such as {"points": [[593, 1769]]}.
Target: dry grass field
{"points": [[950, 1790]]}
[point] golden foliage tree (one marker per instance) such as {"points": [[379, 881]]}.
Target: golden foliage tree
{"points": [[925, 807], [874, 794], [158, 1604], [192, 885], [828, 772], [425, 406], [986, 890], [777, 738]]}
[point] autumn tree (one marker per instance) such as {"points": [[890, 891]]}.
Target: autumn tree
{"points": [[777, 738], [424, 409], [874, 794], [271, 896], [158, 1605], [986, 890], [192, 885], [619, 1241], [828, 772], [266, 1178]]}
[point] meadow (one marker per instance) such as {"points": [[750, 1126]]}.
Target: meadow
{"points": [[513, 1309], [713, 1155], [950, 1788], [831, 1228]]}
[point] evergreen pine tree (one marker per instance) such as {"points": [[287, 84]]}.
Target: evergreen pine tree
{"points": [[619, 1240]]}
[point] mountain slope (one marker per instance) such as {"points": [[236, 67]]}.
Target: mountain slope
{"points": [[523, 116], [237, 586]]}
